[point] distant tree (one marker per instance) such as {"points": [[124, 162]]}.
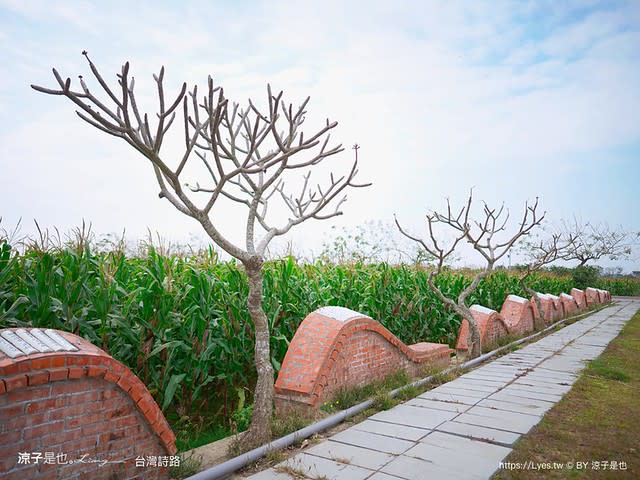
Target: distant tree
{"points": [[539, 254], [231, 143], [592, 242], [373, 241], [482, 237]]}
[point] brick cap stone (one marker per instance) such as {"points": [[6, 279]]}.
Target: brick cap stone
{"points": [[75, 358], [341, 314]]}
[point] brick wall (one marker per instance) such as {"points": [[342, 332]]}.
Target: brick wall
{"points": [[75, 414], [519, 315], [490, 324], [336, 348], [579, 297]]}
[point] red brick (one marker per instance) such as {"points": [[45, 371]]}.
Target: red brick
{"points": [[96, 371], [76, 372], [15, 382], [38, 378], [84, 419], [125, 382], [11, 410], [10, 438], [42, 363], [42, 430], [58, 374], [111, 377], [65, 388], [30, 393]]}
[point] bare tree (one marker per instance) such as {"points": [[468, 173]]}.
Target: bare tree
{"points": [[591, 242], [481, 235], [230, 142], [539, 254]]}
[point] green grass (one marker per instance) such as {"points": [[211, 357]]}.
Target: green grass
{"points": [[348, 397], [598, 420]]}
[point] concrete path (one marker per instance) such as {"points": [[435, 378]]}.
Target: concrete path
{"points": [[465, 428]]}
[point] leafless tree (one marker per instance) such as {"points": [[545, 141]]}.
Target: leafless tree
{"points": [[482, 237], [591, 242], [540, 253], [231, 143]]}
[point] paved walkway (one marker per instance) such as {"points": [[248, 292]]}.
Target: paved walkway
{"points": [[465, 428]]}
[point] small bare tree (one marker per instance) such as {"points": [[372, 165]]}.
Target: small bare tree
{"points": [[231, 143], [539, 254], [591, 242], [481, 235]]}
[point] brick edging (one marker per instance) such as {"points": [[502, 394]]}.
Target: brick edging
{"points": [[89, 361]]}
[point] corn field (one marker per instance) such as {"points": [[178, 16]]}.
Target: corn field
{"points": [[180, 322]]}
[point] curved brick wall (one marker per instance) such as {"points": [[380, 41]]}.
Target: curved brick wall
{"points": [[337, 348], [66, 408], [519, 314], [552, 307], [569, 303], [579, 297], [592, 295], [490, 324]]}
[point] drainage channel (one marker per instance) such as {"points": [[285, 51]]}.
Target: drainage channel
{"points": [[223, 470]]}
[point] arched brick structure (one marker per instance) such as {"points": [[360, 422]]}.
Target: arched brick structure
{"points": [[336, 348], [551, 307], [569, 303], [579, 297], [518, 314], [604, 295], [592, 295], [67, 408], [490, 324]]}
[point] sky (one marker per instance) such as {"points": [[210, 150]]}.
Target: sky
{"points": [[516, 100]]}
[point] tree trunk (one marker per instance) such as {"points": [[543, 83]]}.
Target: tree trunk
{"points": [[529, 291], [260, 429], [475, 348]]}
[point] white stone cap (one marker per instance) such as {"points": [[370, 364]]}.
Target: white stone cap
{"points": [[342, 314], [481, 309], [516, 298], [565, 295], [15, 343], [553, 297]]}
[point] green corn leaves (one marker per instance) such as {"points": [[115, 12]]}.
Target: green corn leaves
{"points": [[181, 323]]}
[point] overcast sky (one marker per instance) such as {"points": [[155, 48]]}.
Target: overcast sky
{"points": [[518, 100]]}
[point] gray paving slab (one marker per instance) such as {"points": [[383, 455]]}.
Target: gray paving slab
{"points": [[542, 387], [314, 467], [479, 433], [409, 468], [383, 476], [524, 407], [401, 432], [350, 454], [443, 449], [271, 474], [464, 428], [509, 421], [473, 385], [414, 416], [526, 392], [374, 441], [437, 405], [452, 397]]}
